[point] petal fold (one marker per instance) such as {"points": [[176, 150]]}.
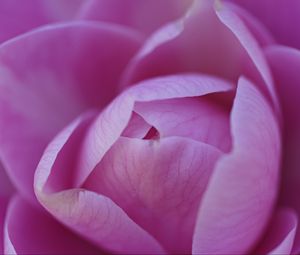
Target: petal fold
{"points": [[72, 67], [135, 13], [285, 28], [285, 65], [281, 233], [242, 190], [30, 230]]}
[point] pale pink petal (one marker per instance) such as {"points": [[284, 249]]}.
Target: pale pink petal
{"points": [[17, 17], [250, 44], [144, 16], [30, 230], [239, 199], [110, 124], [137, 127], [188, 45], [280, 235], [195, 118], [92, 215], [50, 76], [255, 26], [3, 206], [6, 188], [285, 64], [159, 183], [280, 17], [61, 10]]}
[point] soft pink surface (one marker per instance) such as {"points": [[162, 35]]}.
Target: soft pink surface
{"points": [[145, 16], [3, 206], [43, 90], [17, 17], [242, 190], [194, 118], [228, 52], [158, 183], [285, 64], [281, 17], [107, 218], [30, 230], [281, 233]]}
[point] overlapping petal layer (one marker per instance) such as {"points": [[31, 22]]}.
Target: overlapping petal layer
{"points": [[242, 190], [285, 64], [48, 77], [44, 235], [98, 216], [145, 16]]}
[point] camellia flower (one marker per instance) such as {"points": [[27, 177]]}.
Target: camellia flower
{"points": [[149, 127]]}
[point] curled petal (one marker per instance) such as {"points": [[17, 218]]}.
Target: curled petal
{"points": [[281, 233], [243, 187], [92, 215], [283, 28], [59, 179], [285, 64], [110, 124], [30, 230], [135, 13], [72, 67], [18, 17], [159, 183]]}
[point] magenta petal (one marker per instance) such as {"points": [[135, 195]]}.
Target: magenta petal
{"points": [[257, 28], [280, 235], [238, 28], [158, 183], [177, 46], [228, 52], [237, 204], [29, 230], [280, 17], [93, 216], [3, 206], [6, 188], [145, 16], [194, 118], [17, 17], [285, 64], [72, 67], [137, 127], [110, 124]]}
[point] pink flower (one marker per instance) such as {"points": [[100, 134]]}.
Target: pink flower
{"points": [[149, 127]]}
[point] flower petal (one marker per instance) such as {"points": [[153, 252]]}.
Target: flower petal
{"points": [[195, 118], [242, 190], [159, 184], [177, 46], [280, 235], [285, 64], [6, 188], [30, 230], [135, 13], [93, 216], [88, 139], [72, 67], [17, 17], [238, 28], [283, 28], [110, 124], [255, 26], [3, 206]]}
